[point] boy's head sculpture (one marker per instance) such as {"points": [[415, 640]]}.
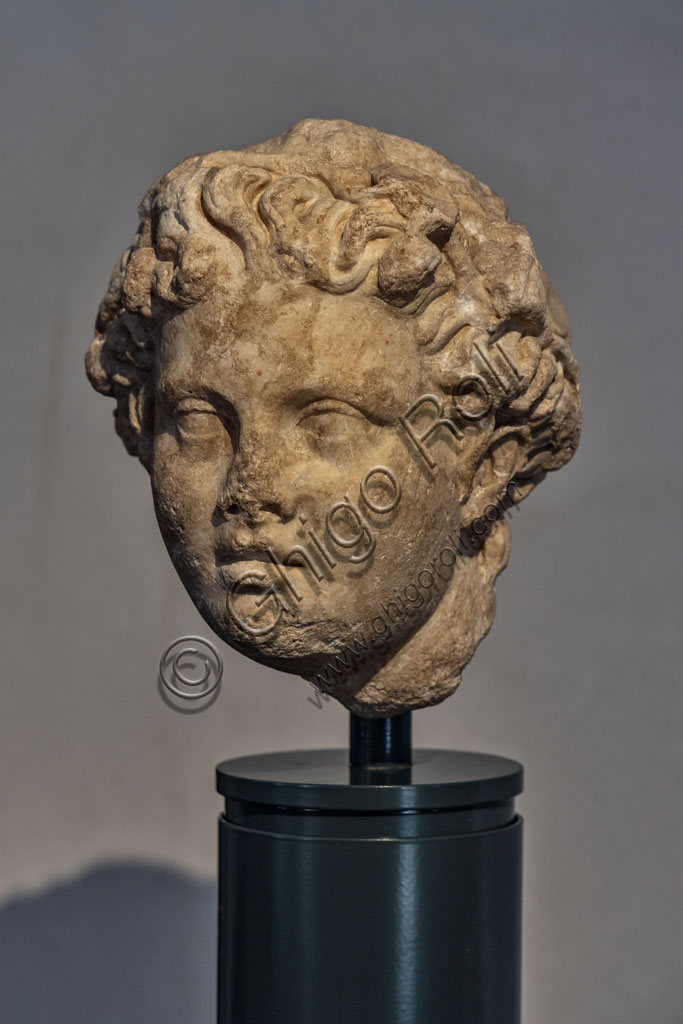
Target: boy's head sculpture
{"points": [[341, 364]]}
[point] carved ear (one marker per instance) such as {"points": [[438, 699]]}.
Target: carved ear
{"points": [[502, 459]]}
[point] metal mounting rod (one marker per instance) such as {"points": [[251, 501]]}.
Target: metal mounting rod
{"points": [[379, 741]]}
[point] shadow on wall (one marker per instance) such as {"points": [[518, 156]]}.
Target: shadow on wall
{"points": [[124, 944]]}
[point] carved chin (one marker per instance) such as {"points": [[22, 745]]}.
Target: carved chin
{"points": [[297, 647], [417, 664]]}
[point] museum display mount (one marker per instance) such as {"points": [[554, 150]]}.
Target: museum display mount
{"points": [[370, 884]]}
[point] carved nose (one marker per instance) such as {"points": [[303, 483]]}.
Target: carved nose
{"points": [[251, 494]]}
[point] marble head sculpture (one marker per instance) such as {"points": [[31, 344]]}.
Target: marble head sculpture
{"points": [[343, 367]]}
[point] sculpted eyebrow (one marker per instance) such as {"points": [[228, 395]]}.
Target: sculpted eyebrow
{"points": [[173, 390], [325, 391]]}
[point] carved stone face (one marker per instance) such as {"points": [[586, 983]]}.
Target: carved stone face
{"points": [[341, 363], [291, 501]]}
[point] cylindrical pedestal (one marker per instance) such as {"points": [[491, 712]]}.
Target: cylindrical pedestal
{"points": [[383, 895]]}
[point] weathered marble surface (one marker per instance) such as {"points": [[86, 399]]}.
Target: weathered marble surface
{"points": [[342, 366]]}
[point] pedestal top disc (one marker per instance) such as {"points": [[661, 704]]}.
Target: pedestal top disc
{"points": [[322, 780]]}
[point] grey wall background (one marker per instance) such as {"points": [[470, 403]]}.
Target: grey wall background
{"points": [[107, 811]]}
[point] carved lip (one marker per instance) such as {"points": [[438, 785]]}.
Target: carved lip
{"points": [[234, 562], [237, 554], [229, 557]]}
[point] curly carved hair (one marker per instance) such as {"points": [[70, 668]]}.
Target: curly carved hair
{"points": [[344, 207]]}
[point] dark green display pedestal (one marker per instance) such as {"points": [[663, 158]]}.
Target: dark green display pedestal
{"points": [[376, 894]]}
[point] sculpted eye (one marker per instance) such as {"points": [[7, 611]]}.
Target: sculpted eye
{"points": [[200, 424], [331, 419]]}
